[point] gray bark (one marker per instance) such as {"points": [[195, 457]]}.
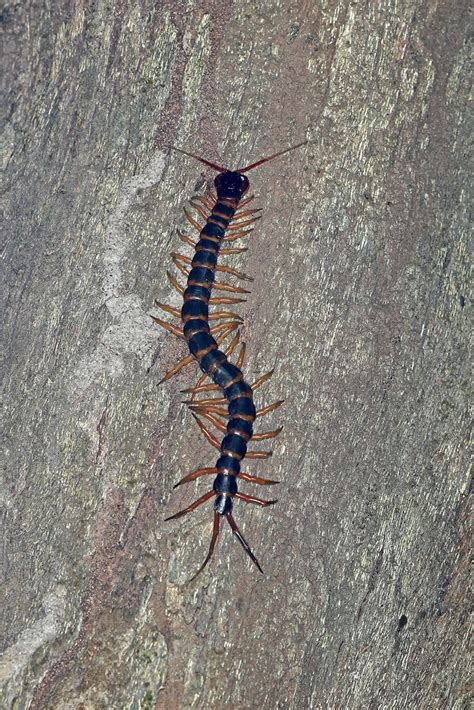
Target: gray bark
{"points": [[360, 303]]}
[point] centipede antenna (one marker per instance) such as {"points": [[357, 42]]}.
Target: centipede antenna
{"points": [[198, 157], [242, 540], [270, 157]]}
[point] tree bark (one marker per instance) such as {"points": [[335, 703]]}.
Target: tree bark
{"points": [[359, 302]]}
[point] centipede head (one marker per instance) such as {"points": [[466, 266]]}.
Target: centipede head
{"points": [[231, 185]]}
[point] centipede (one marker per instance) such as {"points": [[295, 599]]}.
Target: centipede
{"points": [[221, 397]]}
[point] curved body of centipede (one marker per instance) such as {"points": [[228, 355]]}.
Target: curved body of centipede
{"points": [[226, 219]]}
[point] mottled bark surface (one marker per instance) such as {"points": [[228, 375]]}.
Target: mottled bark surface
{"points": [[359, 302]]}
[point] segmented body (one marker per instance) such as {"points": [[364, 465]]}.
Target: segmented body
{"points": [[225, 220], [212, 361]]}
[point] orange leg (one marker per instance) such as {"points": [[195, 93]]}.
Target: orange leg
{"points": [[227, 326], [224, 314], [176, 256], [258, 454], [199, 382], [242, 540], [233, 250], [256, 501], [199, 210], [205, 402], [185, 238], [239, 235], [225, 300], [195, 474], [200, 388], [169, 309], [209, 436], [192, 221], [220, 286], [175, 283], [232, 345], [234, 272], [257, 479], [229, 329], [267, 434], [245, 213], [258, 383], [182, 268], [245, 223], [214, 420], [207, 203], [172, 328], [214, 410], [215, 533], [269, 408], [240, 358], [182, 363], [246, 201], [191, 507]]}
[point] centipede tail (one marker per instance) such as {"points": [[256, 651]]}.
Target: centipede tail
{"points": [[218, 217]]}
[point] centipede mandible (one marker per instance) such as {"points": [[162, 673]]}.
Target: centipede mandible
{"points": [[221, 396]]}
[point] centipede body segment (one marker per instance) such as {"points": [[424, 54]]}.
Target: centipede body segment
{"points": [[221, 396]]}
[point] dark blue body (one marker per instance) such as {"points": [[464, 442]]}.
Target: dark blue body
{"points": [[230, 186]]}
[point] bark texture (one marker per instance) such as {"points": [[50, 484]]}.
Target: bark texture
{"points": [[359, 302]]}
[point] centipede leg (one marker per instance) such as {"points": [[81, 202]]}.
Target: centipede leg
{"points": [[175, 283], [196, 474], [221, 300], [193, 506], [245, 213], [245, 223], [257, 479], [217, 315], [168, 326], [214, 420], [199, 210], [192, 221], [209, 436], [242, 540], [233, 250], [215, 534], [226, 327], [184, 238], [177, 256], [258, 383], [238, 235], [267, 434], [205, 402], [214, 410], [246, 201], [169, 309], [269, 408], [234, 272], [241, 355], [258, 454], [212, 195], [182, 363], [207, 203], [222, 286], [257, 501]]}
